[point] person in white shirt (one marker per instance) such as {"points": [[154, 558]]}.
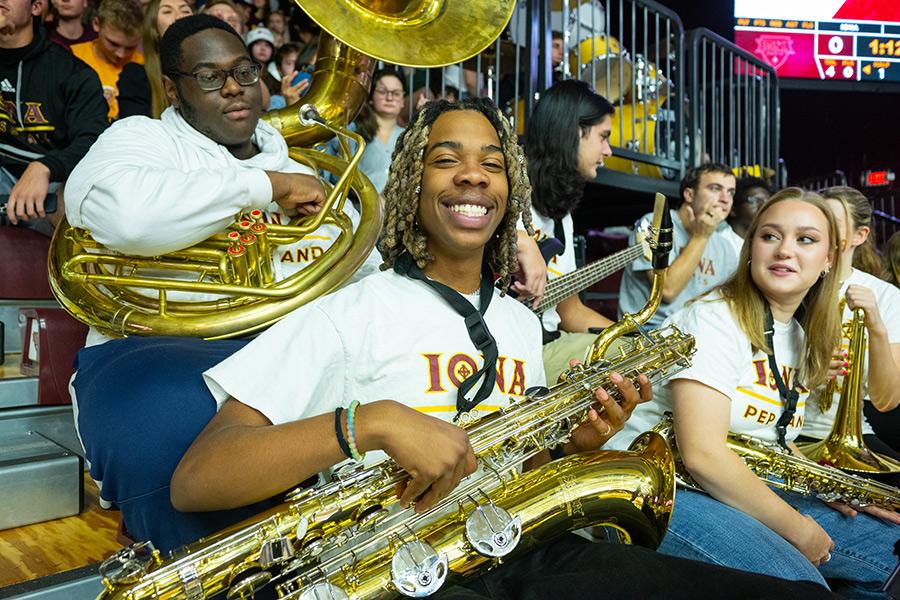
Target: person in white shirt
{"points": [[566, 144], [880, 302], [148, 187], [397, 351], [785, 278], [703, 250]]}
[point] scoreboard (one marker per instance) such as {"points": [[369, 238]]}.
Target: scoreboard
{"points": [[828, 46]]}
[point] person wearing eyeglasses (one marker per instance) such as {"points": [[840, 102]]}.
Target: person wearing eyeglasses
{"points": [[149, 187], [749, 194], [377, 123]]}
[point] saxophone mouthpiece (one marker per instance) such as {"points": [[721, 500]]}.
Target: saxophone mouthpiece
{"points": [[662, 221]]}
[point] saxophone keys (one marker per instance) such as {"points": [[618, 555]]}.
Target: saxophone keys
{"points": [[246, 587], [324, 591], [275, 551], [492, 531], [417, 570]]}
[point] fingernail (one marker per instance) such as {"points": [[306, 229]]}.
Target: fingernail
{"points": [[616, 378], [846, 364], [844, 372]]}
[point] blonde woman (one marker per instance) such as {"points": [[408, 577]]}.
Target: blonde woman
{"points": [[880, 301], [786, 283], [140, 86]]}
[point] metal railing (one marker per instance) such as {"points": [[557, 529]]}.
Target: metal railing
{"points": [[885, 215], [630, 51], [822, 182], [734, 109]]}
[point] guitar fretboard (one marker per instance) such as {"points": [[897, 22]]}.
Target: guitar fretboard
{"points": [[560, 288]]}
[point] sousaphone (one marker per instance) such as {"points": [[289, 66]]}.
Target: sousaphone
{"points": [[226, 285]]}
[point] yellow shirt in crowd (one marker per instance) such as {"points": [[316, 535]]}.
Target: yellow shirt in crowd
{"points": [[108, 73]]}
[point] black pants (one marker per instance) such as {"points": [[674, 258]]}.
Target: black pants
{"points": [[886, 425], [572, 567]]}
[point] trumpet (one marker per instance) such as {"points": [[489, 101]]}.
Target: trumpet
{"points": [[844, 447]]}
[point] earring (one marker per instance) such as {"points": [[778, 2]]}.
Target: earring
{"points": [[418, 190], [824, 272]]}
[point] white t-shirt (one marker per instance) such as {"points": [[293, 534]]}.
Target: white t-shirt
{"points": [[718, 262], [558, 265], [384, 337], [817, 424], [147, 187], [725, 362]]}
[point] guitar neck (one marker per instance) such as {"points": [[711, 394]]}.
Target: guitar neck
{"points": [[560, 288]]}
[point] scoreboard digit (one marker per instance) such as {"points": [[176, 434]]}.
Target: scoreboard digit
{"points": [[824, 49]]}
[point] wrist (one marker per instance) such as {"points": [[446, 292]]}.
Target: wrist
{"points": [[369, 425], [276, 180]]}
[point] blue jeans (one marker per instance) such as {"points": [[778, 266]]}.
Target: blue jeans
{"points": [[702, 528]]}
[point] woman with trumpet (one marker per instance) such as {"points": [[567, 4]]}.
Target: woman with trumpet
{"points": [[785, 279], [880, 302]]}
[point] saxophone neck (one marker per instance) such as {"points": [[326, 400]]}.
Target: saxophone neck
{"points": [[661, 245]]}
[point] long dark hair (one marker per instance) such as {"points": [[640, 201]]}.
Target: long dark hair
{"points": [[366, 122], [564, 114]]}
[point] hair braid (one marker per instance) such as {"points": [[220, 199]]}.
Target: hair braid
{"points": [[402, 232]]}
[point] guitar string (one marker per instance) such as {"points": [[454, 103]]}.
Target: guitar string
{"points": [[570, 283]]}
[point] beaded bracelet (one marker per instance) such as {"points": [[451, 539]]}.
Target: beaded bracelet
{"points": [[339, 432], [351, 434]]}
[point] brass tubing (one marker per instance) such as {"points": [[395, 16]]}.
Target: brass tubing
{"points": [[248, 240], [238, 256], [259, 229]]}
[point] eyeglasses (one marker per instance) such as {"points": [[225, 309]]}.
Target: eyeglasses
{"points": [[211, 80], [389, 93], [756, 200]]}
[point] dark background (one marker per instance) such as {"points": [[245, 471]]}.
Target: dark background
{"points": [[821, 130]]}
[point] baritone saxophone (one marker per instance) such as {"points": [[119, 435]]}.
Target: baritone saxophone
{"points": [[781, 469], [351, 539]]}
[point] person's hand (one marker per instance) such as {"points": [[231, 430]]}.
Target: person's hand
{"points": [[812, 541], [290, 92], [435, 453], [703, 224], [884, 514], [297, 192], [607, 417], [838, 364], [531, 279], [862, 297], [26, 200]]}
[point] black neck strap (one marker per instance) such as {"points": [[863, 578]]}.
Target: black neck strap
{"points": [[789, 397], [559, 232], [478, 331]]}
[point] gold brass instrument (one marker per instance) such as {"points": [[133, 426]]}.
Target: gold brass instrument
{"points": [[351, 539], [780, 469], [661, 243], [230, 275], [844, 447]]}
